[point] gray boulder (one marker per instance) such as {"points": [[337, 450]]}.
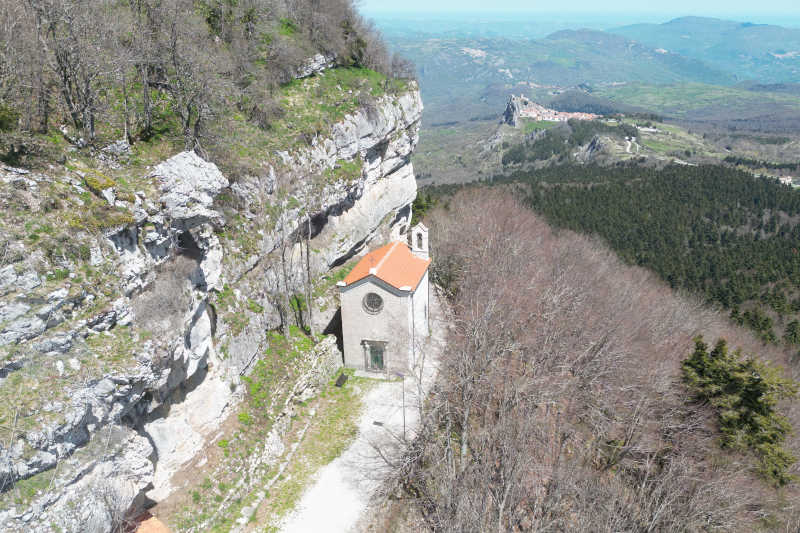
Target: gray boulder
{"points": [[315, 65], [13, 311], [188, 186], [22, 329], [59, 344], [11, 281]]}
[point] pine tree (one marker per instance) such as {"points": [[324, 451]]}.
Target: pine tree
{"points": [[745, 394]]}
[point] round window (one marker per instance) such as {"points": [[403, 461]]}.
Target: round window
{"points": [[373, 303]]}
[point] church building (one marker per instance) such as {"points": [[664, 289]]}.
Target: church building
{"points": [[385, 303]]}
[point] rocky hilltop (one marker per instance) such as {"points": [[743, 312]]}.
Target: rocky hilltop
{"points": [[124, 344], [520, 107]]}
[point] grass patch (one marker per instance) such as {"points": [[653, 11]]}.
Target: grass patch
{"points": [[99, 218], [26, 490], [267, 386], [226, 298], [662, 146], [344, 170], [309, 107], [332, 430], [254, 306], [270, 370], [287, 27], [330, 280], [530, 126]]}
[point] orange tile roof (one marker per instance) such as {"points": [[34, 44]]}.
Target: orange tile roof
{"points": [[394, 264], [151, 524]]}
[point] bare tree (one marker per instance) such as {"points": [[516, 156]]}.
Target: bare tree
{"points": [[559, 404], [73, 37]]}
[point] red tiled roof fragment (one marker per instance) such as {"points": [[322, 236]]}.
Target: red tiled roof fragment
{"points": [[394, 264]]}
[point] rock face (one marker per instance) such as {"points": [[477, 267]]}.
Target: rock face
{"points": [[114, 438], [315, 65], [513, 111], [591, 151], [189, 200]]}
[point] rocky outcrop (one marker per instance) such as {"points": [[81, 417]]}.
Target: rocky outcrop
{"points": [[521, 107], [315, 65], [104, 487], [119, 436], [188, 188], [351, 212], [590, 152], [513, 111]]}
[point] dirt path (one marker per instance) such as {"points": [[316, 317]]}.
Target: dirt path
{"points": [[342, 489]]}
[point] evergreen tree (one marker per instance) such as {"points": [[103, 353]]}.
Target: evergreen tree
{"points": [[745, 393]]}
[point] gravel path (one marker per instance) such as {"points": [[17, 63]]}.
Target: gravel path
{"points": [[342, 489]]}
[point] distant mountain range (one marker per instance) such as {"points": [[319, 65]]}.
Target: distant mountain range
{"points": [[473, 77], [745, 51], [464, 76]]}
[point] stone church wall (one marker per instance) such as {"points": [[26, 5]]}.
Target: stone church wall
{"points": [[389, 325], [421, 311]]}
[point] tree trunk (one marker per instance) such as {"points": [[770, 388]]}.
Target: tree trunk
{"points": [[43, 104], [147, 111], [308, 278], [286, 291], [126, 106]]}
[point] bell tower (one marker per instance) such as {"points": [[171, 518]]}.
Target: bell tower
{"points": [[419, 241]]}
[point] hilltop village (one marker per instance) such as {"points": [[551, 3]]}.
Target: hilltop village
{"points": [[521, 107]]}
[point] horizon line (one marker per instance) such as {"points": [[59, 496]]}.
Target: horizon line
{"points": [[578, 12]]}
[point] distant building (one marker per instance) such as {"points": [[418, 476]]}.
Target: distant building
{"points": [[786, 180], [385, 306]]}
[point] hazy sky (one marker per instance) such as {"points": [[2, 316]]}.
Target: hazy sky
{"points": [[684, 7]]}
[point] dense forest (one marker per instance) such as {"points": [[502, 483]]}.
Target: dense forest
{"points": [[755, 163], [711, 230]]}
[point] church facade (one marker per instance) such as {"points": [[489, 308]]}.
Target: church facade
{"points": [[385, 306]]}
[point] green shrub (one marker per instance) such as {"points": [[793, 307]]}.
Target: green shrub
{"points": [[345, 170], [245, 418], [58, 274], [288, 27], [254, 306], [745, 394], [97, 181], [792, 333], [8, 118], [298, 303]]}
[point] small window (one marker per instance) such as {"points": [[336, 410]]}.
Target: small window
{"points": [[373, 303], [419, 241]]}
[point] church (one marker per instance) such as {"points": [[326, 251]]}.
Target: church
{"points": [[385, 305]]}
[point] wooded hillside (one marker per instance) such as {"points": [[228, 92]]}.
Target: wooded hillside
{"points": [[138, 69], [563, 403], [718, 232]]}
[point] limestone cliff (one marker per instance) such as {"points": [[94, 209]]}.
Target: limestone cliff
{"points": [[130, 354]]}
